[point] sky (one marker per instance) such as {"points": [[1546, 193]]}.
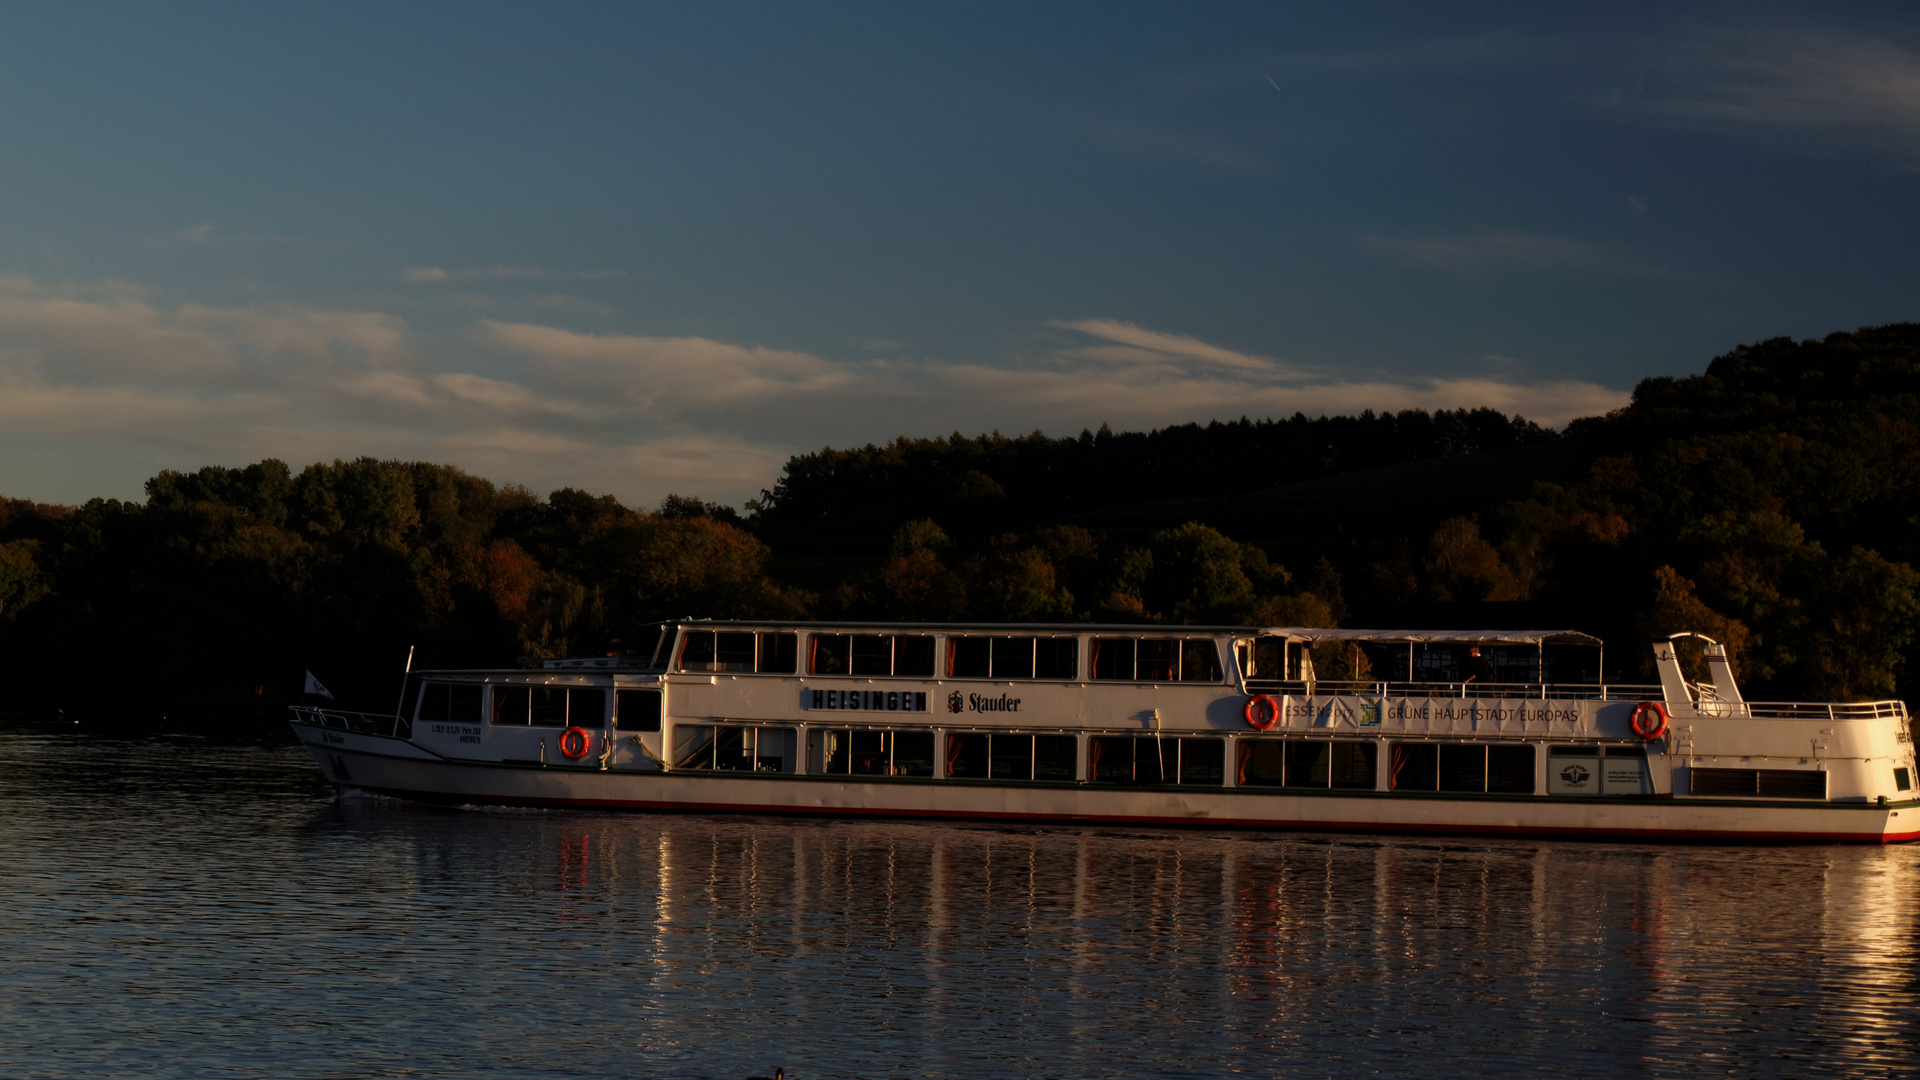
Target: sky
{"points": [[640, 249]]}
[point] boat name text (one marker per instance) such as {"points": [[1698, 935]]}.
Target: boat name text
{"points": [[865, 700]]}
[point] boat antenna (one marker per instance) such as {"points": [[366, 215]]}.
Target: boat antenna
{"points": [[400, 705]]}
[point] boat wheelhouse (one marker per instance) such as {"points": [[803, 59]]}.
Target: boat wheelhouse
{"points": [[1491, 731]]}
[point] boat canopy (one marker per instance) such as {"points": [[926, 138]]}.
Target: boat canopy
{"points": [[1436, 637]]}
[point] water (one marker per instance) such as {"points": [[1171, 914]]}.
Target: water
{"points": [[193, 904]]}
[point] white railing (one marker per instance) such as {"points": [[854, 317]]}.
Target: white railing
{"points": [[394, 727], [1509, 691], [1827, 710]]}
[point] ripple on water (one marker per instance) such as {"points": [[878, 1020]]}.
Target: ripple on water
{"points": [[205, 906]]}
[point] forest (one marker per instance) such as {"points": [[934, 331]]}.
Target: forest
{"points": [[1771, 502]]}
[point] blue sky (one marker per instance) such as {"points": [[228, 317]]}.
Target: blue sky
{"points": [[641, 249]]}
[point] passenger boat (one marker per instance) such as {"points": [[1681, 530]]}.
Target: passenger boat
{"points": [[1492, 731]]}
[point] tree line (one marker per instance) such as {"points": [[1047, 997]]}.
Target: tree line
{"points": [[1769, 502]]}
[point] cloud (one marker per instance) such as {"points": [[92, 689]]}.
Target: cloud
{"points": [[430, 274], [207, 234], [1497, 250], [109, 384], [1142, 346], [1804, 88], [661, 375]]}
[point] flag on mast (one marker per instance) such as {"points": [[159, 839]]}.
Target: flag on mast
{"points": [[314, 687]]}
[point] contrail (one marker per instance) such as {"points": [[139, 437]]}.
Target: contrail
{"points": [[1270, 82]]}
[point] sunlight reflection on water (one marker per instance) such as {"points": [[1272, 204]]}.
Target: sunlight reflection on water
{"points": [[199, 905]]}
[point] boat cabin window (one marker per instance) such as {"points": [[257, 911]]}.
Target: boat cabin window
{"points": [[637, 710], [1156, 659], [1343, 764], [870, 654], [1008, 755], [1276, 658], [1013, 657], [1454, 662], [1902, 780], [853, 752], [1761, 783], [1461, 767], [733, 747], [739, 651], [1145, 759], [456, 703], [550, 706]]}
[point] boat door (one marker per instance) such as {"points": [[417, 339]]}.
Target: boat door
{"points": [[636, 723]]}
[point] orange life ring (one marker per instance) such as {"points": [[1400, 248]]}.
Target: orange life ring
{"points": [[1253, 711], [575, 742], [1649, 730]]}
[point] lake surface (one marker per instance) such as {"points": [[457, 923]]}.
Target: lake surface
{"points": [[188, 902]]}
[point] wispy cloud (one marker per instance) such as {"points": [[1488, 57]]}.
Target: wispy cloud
{"points": [[430, 274], [1497, 250], [208, 234], [1140, 346], [1807, 88]]}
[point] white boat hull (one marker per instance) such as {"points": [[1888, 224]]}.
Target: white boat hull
{"points": [[399, 768]]}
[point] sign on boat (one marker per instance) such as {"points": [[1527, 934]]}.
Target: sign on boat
{"points": [[1478, 731]]}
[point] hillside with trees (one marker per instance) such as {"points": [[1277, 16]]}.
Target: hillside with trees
{"points": [[1770, 502]]}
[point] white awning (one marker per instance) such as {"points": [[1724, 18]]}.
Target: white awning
{"points": [[1436, 637]]}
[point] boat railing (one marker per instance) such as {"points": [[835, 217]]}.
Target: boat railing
{"points": [[1823, 710], [360, 723], [1474, 689]]}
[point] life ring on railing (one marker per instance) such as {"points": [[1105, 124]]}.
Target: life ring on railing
{"points": [[1649, 729], [575, 742], [1259, 705]]}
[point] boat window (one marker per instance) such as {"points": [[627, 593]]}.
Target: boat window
{"points": [[1902, 780], [967, 756], [464, 706], [1009, 755], [913, 656], [1113, 658], [854, 752], [1413, 767], [733, 747], [1145, 759], [1764, 783], [1262, 763], [434, 699], [1157, 660], [1319, 763], [1199, 661], [639, 710], [829, 654], [1307, 763], [549, 706], [587, 706], [1510, 769], [870, 654], [1462, 767], [779, 654], [1161, 660], [1013, 657], [510, 704], [737, 651], [1056, 658]]}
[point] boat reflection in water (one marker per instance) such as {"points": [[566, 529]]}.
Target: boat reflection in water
{"points": [[946, 950]]}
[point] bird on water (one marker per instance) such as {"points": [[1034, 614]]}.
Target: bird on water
{"points": [[779, 1073]]}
